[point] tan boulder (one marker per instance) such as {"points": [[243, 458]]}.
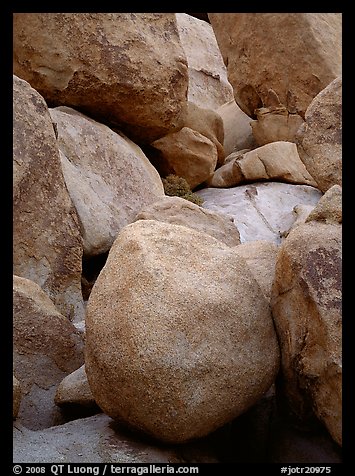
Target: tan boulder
{"points": [[175, 347], [47, 347], [329, 208], [274, 161], [209, 87], [306, 305], [294, 54], [237, 128], [235, 154], [275, 124], [208, 123], [16, 396], [261, 258], [188, 154], [75, 389], [108, 177], [178, 211], [47, 245], [126, 68], [319, 140]]}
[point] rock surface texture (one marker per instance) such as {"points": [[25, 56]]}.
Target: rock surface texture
{"points": [[261, 211], [237, 128], [16, 396], [306, 305], [261, 259], [108, 177], [188, 154], [47, 347], [203, 341], [177, 211], [88, 440], [275, 161], [74, 389], [47, 246], [319, 140], [113, 66], [209, 87], [275, 123], [177, 238], [295, 55]]}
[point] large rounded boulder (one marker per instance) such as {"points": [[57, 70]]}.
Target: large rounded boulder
{"points": [[126, 69], [179, 337]]}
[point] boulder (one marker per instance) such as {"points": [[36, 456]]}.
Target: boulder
{"points": [[108, 177], [275, 161], [47, 245], [16, 396], [319, 140], [235, 154], [208, 123], [306, 304], [300, 54], [261, 211], [261, 259], [237, 128], [74, 389], [208, 90], [188, 154], [128, 69], [178, 211], [179, 336], [209, 87], [275, 123], [47, 347], [329, 208]]}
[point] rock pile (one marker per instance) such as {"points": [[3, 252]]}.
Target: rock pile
{"points": [[148, 328]]}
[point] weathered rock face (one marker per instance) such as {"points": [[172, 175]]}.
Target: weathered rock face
{"points": [[47, 347], [319, 140], [75, 390], [306, 305], [203, 343], [188, 154], [301, 213], [208, 123], [108, 177], [329, 208], [261, 259], [100, 62], [237, 128], [300, 54], [177, 211], [275, 124], [275, 161], [261, 211], [209, 87], [94, 439], [16, 396], [47, 244]]}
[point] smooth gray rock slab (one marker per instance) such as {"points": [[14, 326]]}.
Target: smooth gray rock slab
{"points": [[261, 211]]}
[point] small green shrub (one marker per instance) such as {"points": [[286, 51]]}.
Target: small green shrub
{"points": [[175, 186]]}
